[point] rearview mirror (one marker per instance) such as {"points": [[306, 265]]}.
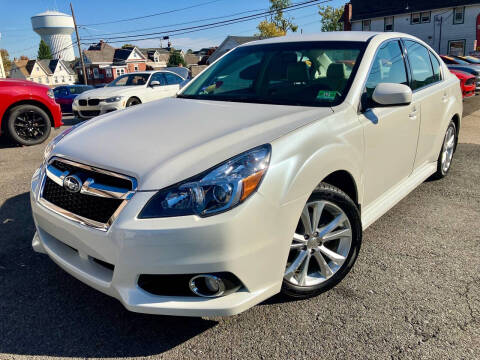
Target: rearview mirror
{"points": [[391, 94], [154, 83]]}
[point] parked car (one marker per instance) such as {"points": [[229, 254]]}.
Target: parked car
{"points": [[64, 95], [469, 70], [467, 82], [470, 59], [125, 91], [452, 60], [28, 111], [259, 177]]}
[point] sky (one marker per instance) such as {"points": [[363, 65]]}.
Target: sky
{"points": [[19, 39]]}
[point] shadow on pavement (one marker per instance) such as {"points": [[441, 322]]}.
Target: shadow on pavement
{"points": [[45, 311]]}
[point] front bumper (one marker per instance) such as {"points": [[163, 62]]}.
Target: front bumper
{"points": [[88, 112], [249, 241]]}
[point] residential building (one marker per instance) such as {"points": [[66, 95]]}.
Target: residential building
{"points": [[448, 26], [47, 72], [156, 57], [104, 63], [192, 59], [229, 43]]}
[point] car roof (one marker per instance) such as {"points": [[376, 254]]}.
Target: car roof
{"points": [[362, 36]]}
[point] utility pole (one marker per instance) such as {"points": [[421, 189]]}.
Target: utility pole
{"points": [[79, 48]]}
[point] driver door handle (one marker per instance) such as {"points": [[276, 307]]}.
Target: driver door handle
{"points": [[413, 114]]}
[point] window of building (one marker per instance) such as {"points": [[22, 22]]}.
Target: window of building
{"points": [[458, 15], [108, 72], [135, 67], [388, 67], [95, 73], [425, 17], [56, 79], [63, 79], [415, 18], [388, 23], [120, 71], [419, 58], [366, 25], [456, 47]]}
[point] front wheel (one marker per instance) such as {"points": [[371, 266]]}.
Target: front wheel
{"points": [[133, 101], [444, 160], [28, 125], [325, 244]]}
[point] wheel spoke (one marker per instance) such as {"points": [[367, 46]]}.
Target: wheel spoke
{"points": [[317, 213], [297, 246], [332, 255], [299, 238], [322, 264], [332, 225], [337, 234], [306, 221], [290, 272], [304, 273]]}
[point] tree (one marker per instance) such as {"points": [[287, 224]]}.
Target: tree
{"points": [[277, 24], [7, 64], [128, 46], [176, 59], [44, 51], [330, 18]]}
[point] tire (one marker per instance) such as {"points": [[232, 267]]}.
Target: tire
{"points": [[338, 213], [28, 125], [445, 157], [133, 101]]}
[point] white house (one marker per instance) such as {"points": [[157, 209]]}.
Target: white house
{"points": [[47, 72], [448, 26], [2, 69]]}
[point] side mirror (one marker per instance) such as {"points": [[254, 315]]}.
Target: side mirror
{"points": [[391, 94], [154, 83]]}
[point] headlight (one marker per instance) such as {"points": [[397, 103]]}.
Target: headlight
{"points": [[48, 150], [113, 99], [50, 94], [216, 190]]}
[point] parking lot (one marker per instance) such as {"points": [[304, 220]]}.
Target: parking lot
{"points": [[413, 293]]}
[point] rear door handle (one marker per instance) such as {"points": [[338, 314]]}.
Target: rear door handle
{"points": [[445, 97]]}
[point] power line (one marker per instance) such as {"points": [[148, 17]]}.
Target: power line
{"points": [[152, 15], [211, 25]]}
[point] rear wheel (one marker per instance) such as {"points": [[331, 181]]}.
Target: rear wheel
{"points": [[325, 244], [133, 101], [446, 153], [28, 125]]}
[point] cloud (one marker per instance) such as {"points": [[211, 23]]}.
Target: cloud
{"points": [[181, 43]]}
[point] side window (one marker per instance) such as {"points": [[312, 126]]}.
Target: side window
{"points": [[388, 67], [437, 74], [422, 73], [159, 77], [172, 79]]}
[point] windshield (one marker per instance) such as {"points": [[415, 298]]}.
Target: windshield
{"points": [[130, 80], [301, 73]]}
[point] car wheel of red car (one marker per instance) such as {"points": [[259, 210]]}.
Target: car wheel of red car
{"points": [[28, 125]]}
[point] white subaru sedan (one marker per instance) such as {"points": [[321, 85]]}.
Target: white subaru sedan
{"points": [[125, 91], [258, 178]]}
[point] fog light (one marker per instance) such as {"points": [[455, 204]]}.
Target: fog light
{"points": [[207, 285]]}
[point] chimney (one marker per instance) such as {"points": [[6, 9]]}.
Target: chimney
{"points": [[347, 17]]}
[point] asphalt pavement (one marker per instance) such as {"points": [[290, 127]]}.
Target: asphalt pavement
{"points": [[414, 292]]}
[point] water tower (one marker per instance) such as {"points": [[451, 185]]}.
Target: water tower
{"points": [[56, 28]]}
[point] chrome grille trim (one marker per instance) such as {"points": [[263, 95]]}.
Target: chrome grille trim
{"points": [[89, 187]]}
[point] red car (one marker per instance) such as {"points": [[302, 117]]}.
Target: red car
{"points": [[467, 82], [28, 111]]}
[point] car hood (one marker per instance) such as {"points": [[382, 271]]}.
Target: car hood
{"points": [[106, 92], [166, 141]]}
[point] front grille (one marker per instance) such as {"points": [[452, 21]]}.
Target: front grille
{"points": [[470, 81], [91, 207], [101, 192], [82, 102], [93, 102], [90, 112]]}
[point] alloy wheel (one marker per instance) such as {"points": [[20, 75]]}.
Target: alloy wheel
{"points": [[320, 245], [30, 125], [447, 149]]}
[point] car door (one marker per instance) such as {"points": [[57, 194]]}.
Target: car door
{"points": [[155, 92], [173, 83], [431, 95], [390, 132]]}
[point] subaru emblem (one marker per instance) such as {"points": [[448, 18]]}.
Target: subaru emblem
{"points": [[72, 183]]}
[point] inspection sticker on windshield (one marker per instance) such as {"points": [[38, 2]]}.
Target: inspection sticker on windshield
{"points": [[326, 95]]}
